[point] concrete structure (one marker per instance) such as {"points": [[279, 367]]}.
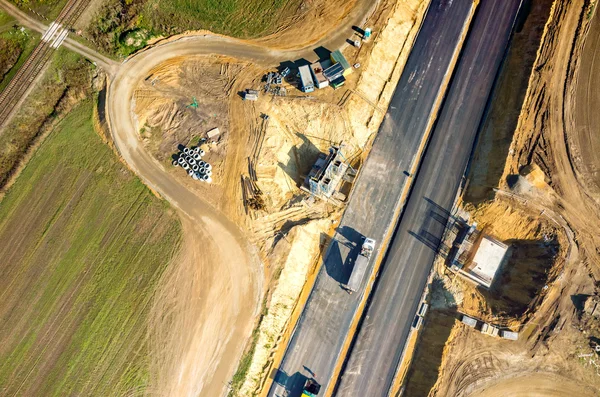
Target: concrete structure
{"points": [[306, 81], [326, 174], [489, 257], [317, 73]]}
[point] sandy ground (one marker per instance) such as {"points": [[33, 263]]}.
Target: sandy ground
{"points": [[547, 189], [296, 132], [537, 385], [225, 301]]}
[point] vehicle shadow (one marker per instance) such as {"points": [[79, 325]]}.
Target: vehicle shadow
{"points": [[342, 253], [293, 384]]}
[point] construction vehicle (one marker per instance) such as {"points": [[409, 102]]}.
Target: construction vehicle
{"points": [[311, 388], [361, 265]]}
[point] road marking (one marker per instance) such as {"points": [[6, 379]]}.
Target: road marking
{"points": [[385, 243], [60, 38]]}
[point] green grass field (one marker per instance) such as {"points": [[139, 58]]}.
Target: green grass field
{"points": [[248, 18], [15, 47], [83, 245], [121, 28]]}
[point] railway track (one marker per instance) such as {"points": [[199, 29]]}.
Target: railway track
{"points": [[19, 85]]}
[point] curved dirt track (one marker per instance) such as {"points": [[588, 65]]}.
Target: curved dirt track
{"points": [[226, 283], [587, 100], [533, 385]]}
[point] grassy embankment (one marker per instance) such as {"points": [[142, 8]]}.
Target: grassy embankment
{"points": [[121, 27], [67, 80], [84, 243], [15, 47]]}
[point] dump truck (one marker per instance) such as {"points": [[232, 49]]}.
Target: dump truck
{"points": [[311, 388], [361, 265]]}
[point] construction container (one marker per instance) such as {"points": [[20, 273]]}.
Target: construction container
{"points": [[317, 73], [338, 57], [306, 80], [469, 321], [334, 72]]}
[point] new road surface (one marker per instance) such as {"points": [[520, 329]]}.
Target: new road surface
{"points": [[321, 331], [375, 356]]}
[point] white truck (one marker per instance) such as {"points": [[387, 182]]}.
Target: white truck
{"points": [[361, 265]]}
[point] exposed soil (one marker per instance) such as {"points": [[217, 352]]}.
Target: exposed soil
{"points": [[547, 209], [498, 129], [299, 127]]}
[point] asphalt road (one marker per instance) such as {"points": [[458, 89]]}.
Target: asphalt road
{"points": [[373, 361], [322, 328]]}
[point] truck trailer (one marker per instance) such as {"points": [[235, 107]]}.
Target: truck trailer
{"points": [[361, 265]]}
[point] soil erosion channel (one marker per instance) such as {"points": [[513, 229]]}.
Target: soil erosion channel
{"points": [[226, 272]]}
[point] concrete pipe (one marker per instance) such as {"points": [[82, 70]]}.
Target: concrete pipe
{"points": [[202, 163], [197, 157], [186, 150], [180, 160], [195, 167], [197, 149], [192, 161], [185, 166], [208, 166], [205, 177], [194, 176], [208, 179], [201, 152], [190, 172], [208, 172], [175, 163]]}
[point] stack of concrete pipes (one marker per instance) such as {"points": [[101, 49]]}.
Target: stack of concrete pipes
{"points": [[191, 161]]}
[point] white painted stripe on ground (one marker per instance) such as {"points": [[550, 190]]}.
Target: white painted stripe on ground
{"points": [[52, 31], [45, 36], [60, 38]]}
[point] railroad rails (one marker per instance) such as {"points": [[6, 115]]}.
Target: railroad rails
{"points": [[57, 32]]}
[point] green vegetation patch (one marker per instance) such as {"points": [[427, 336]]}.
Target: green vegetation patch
{"points": [[48, 8], [67, 80], [112, 27], [15, 46], [84, 243]]}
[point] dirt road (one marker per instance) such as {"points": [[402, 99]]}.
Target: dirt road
{"points": [[228, 281], [586, 140], [533, 385]]}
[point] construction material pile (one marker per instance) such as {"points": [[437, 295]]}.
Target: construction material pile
{"points": [[191, 161]]}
